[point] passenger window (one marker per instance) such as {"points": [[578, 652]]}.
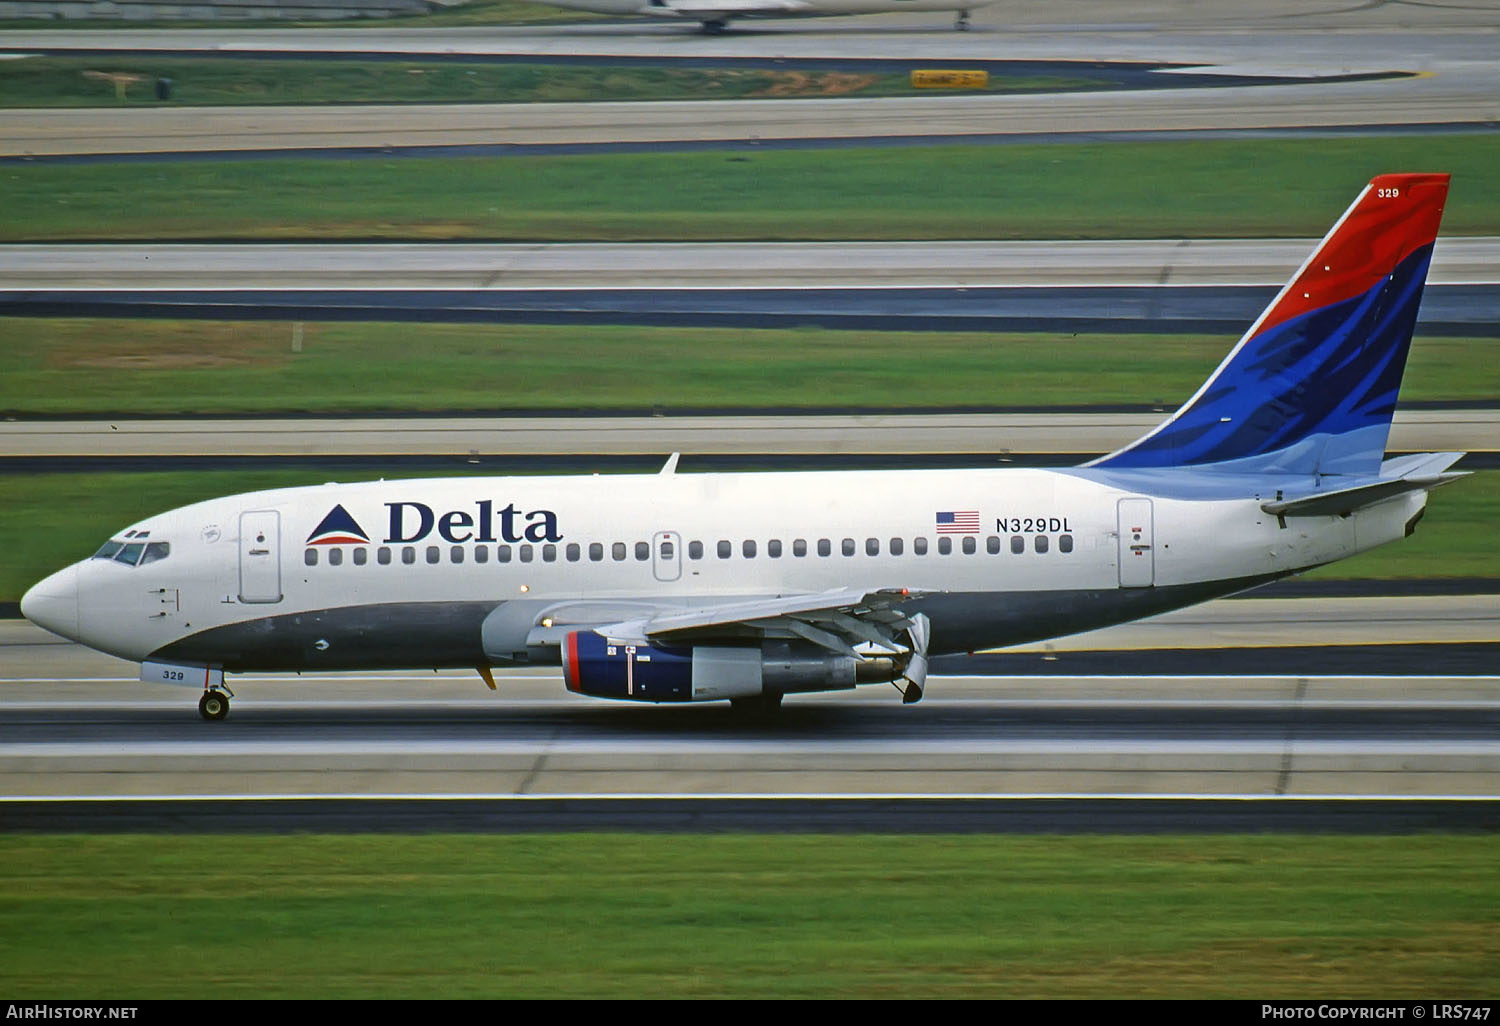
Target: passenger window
{"points": [[872, 546], [481, 554], [724, 549], [502, 554], [360, 556], [642, 551], [825, 547], [1041, 543], [573, 552], [945, 546], [695, 550], [666, 549], [383, 556], [969, 545], [335, 557], [1065, 543], [1017, 544], [617, 552], [773, 548], [992, 544], [310, 557], [897, 546], [919, 546], [748, 548], [596, 552], [456, 554], [434, 554], [549, 553], [799, 547], [526, 552], [408, 555], [156, 551]]}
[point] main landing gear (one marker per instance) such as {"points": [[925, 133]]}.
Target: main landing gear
{"points": [[214, 705], [715, 26], [961, 23]]}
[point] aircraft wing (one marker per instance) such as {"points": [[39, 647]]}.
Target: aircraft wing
{"points": [[837, 620]]}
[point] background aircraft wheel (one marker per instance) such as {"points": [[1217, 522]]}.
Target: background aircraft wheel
{"points": [[214, 705]]}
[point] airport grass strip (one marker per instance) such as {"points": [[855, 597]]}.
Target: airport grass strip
{"points": [[471, 12], [1169, 189], [694, 916], [52, 520], [99, 366], [132, 81]]}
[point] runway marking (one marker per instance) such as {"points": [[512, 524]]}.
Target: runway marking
{"points": [[314, 682], [670, 796], [739, 747]]}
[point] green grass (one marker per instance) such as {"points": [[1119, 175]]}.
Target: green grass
{"points": [[693, 916], [50, 520], [93, 366], [1213, 188], [475, 12], [130, 81]]}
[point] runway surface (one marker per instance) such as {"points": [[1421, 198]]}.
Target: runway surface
{"points": [[1448, 310], [729, 266], [993, 436], [77, 723], [229, 129], [1452, 48]]}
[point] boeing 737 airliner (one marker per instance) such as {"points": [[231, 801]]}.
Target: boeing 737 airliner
{"points": [[675, 587]]}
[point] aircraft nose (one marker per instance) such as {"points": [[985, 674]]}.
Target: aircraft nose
{"points": [[53, 603]]}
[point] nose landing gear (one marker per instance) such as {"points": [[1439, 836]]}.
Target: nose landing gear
{"points": [[214, 705]]}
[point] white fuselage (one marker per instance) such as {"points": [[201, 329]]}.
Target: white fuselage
{"points": [[457, 571]]}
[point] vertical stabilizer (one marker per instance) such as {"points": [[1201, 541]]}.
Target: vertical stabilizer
{"points": [[1311, 387]]}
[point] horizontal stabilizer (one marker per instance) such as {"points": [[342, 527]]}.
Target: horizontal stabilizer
{"points": [[1407, 474]]}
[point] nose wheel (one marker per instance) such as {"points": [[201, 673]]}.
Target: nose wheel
{"points": [[214, 705]]}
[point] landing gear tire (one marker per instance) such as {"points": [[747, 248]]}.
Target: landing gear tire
{"points": [[961, 23], [214, 705], [714, 26], [766, 704]]}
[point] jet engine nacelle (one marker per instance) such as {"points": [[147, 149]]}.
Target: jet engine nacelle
{"points": [[643, 672]]}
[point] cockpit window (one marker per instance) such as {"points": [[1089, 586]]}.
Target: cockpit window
{"points": [[134, 553]]}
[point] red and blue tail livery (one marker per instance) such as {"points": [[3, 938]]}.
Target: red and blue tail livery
{"points": [[1311, 387]]}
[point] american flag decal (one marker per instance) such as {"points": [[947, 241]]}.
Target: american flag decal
{"points": [[963, 521]]}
